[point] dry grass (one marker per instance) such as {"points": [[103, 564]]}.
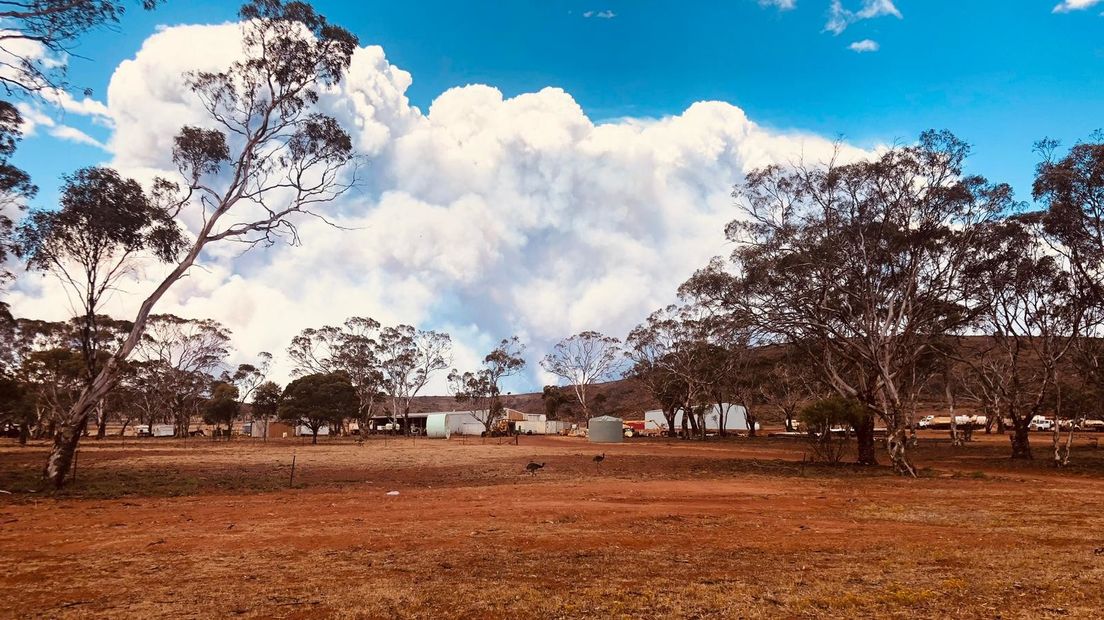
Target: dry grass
{"points": [[721, 530]]}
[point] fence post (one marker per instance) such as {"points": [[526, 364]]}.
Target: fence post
{"points": [[291, 483]]}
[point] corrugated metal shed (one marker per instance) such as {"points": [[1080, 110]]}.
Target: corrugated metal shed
{"points": [[437, 426]]}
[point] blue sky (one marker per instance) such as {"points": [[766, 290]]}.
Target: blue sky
{"points": [[1000, 74]]}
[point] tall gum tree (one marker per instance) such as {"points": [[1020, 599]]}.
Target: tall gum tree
{"points": [[264, 156], [409, 357], [105, 225], [352, 348], [481, 389], [861, 262], [1033, 312], [582, 360]]}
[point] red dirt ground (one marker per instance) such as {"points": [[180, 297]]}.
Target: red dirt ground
{"points": [[736, 528]]}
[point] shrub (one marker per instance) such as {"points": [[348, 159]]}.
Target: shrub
{"points": [[829, 422]]}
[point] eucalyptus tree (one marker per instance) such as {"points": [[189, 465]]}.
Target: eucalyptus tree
{"points": [[222, 406], [553, 399], [35, 42], [1033, 311], [861, 263], [105, 225], [186, 355], [142, 384], [38, 35], [409, 358], [43, 356], [646, 352], [248, 376], [352, 348], [583, 360], [789, 384], [318, 400], [15, 187], [266, 403], [264, 155], [1071, 187], [670, 349], [481, 389], [55, 376]]}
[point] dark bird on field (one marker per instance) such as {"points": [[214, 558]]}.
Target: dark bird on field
{"points": [[533, 467], [598, 461]]}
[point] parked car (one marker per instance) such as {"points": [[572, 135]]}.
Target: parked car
{"points": [[925, 421], [1039, 423]]}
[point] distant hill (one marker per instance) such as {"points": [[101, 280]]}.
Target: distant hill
{"points": [[624, 398]]}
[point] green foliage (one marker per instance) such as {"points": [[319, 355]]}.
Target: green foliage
{"points": [[832, 412], [16, 404], [554, 399], [223, 406], [15, 183], [821, 417], [318, 400], [103, 215], [266, 400]]}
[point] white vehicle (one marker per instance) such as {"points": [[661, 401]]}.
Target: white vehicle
{"points": [[925, 421], [1082, 425], [1039, 423]]}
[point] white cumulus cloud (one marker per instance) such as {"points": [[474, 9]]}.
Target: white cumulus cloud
{"points": [[839, 18], [1075, 5], [864, 46], [781, 5], [486, 215]]}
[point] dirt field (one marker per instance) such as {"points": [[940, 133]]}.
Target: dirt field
{"points": [[725, 529]]}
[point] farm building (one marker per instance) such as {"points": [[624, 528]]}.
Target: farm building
{"points": [[443, 424], [261, 429], [734, 420], [304, 431]]}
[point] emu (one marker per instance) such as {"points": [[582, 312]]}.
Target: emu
{"points": [[533, 467], [598, 461]]}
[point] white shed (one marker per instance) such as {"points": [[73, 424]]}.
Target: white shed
{"points": [[443, 424], [533, 424], [555, 427], [163, 430]]}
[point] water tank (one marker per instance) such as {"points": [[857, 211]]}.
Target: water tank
{"points": [[437, 426], [605, 429]]}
